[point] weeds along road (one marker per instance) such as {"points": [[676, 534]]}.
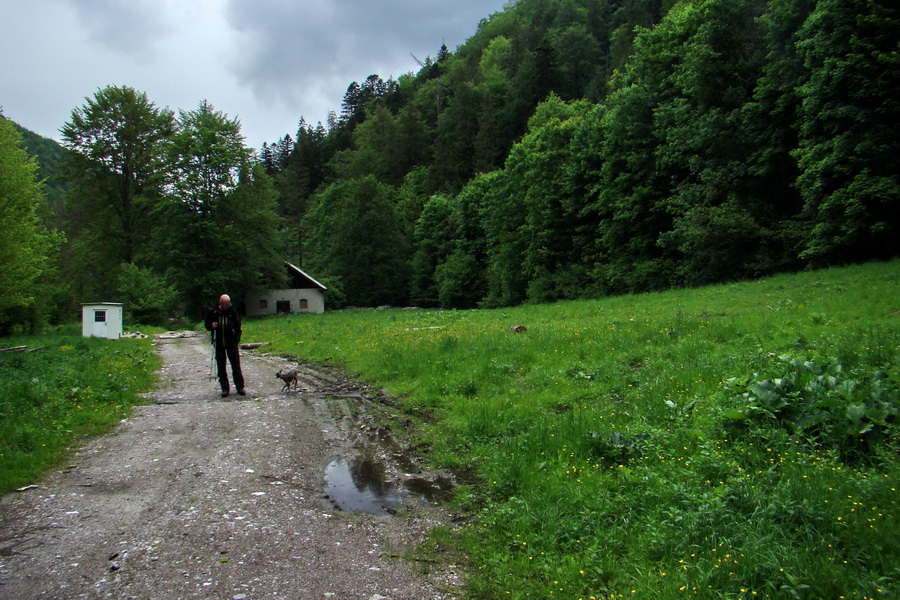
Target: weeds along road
{"points": [[196, 496]]}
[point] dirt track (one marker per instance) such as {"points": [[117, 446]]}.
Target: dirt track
{"points": [[196, 496]]}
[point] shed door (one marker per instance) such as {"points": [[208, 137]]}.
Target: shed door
{"points": [[282, 306], [100, 325]]}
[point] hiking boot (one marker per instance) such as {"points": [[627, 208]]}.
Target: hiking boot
{"points": [[224, 393], [242, 392]]}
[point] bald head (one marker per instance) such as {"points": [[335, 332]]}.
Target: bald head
{"points": [[224, 301]]}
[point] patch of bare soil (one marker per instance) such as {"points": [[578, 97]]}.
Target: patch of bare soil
{"points": [[198, 496]]}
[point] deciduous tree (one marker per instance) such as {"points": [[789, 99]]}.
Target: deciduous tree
{"points": [[849, 126], [219, 225], [25, 243], [119, 162], [355, 237]]}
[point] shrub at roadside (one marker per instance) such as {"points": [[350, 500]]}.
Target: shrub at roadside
{"points": [[850, 411]]}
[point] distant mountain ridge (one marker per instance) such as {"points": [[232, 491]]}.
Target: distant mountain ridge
{"points": [[49, 155]]}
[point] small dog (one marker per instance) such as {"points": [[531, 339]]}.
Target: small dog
{"points": [[289, 378]]}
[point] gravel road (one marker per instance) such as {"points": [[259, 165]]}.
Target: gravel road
{"points": [[198, 496]]}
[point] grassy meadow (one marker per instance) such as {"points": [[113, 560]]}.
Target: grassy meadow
{"points": [[735, 441], [61, 389]]}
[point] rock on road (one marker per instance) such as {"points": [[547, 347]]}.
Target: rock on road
{"points": [[196, 496]]}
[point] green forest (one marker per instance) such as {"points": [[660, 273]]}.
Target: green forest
{"points": [[568, 149]]}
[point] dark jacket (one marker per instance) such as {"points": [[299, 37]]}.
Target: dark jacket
{"points": [[229, 329]]}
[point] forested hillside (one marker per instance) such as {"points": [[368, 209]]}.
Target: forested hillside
{"points": [[568, 149], [588, 147], [49, 156]]}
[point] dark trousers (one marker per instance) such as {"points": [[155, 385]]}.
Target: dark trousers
{"points": [[234, 357]]}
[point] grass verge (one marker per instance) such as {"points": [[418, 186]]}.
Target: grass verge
{"points": [[63, 388]]}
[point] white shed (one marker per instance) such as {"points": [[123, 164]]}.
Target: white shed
{"points": [[305, 294], [101, 319]]}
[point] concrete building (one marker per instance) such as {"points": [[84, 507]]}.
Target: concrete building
{"points": [[305, 294]]}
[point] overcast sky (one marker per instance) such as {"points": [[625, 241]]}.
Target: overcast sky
{"points": [[266, 62]]}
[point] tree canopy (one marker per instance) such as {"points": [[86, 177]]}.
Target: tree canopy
{"points": [[166, 207]]}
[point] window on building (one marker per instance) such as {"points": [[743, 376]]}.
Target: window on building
{"points": [[263, 304], [99, 316], [304, 303]]}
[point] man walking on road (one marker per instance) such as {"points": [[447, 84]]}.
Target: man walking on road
{"points": [[225, 325]]}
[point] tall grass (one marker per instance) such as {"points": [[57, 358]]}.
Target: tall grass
{"points": [[63, 388], [733, 441]]}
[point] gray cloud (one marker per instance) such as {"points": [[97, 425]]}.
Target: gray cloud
{"points": [[267, 62], [122, 26], [292, 52]]}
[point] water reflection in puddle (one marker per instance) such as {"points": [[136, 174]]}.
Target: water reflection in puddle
{"points": [[362, 485]]}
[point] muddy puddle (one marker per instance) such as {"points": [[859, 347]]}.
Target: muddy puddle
{"points": [[377, 475], [363, 485], [380, 479]]}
